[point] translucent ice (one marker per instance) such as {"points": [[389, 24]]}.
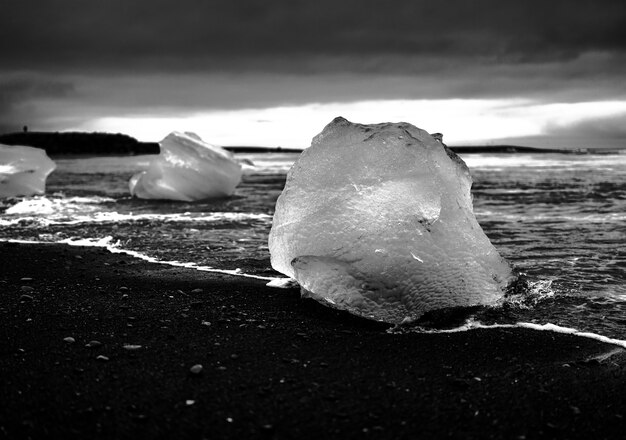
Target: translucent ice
{"points": [[377, 220], [23, 170], [187, 169]]}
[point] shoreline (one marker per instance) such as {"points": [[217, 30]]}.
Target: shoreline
{"points": [[76, 144], [274, 365]]}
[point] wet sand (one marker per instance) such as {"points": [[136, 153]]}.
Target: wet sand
{"points": [[273, 365]]}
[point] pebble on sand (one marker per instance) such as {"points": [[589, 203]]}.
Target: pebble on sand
{"points": [[196, 369], [27, 289], [93, 344]]}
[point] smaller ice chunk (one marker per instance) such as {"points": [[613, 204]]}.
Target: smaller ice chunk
{"points": [[23, 170], [187, 169]]}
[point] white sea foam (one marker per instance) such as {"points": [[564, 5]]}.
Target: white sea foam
{"points": [[115, 217], [114, 247], [107, 242], [613, 217], [80, 210], [493, 162], [537, 291], [264, 164], [474, 325], [45, 205], [283, 283]]}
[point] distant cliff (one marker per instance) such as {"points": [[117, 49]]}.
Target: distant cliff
{"points": [[77, 143]]}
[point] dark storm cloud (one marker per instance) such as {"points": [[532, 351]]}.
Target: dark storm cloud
{"points": [[610, 127], [17, 92], [292, 35], [80, 60]]}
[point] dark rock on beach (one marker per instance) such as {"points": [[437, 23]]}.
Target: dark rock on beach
{"points": [[273, 365]]}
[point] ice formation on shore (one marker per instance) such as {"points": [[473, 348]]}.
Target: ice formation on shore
{"points": [[378, 220], [23, 170], [187, 169]]}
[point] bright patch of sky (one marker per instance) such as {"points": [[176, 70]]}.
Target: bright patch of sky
{"points": [[462, 121]]}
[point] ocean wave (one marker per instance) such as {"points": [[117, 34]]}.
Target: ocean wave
{"points": [[538, 290], [115, 247], [472, 324], [69, 212], [41, 205], [491, 162], [611, 217]]}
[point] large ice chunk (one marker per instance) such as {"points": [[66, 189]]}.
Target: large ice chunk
{"points": [[23, 170], [187, 169], [377, 220]]}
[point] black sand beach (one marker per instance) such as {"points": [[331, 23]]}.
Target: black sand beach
{"points": [[274, 366]]}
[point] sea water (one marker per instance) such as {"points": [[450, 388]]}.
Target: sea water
{"points": [[558, 218]]}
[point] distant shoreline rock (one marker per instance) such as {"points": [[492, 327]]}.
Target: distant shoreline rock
{"points": [[81, 143]]}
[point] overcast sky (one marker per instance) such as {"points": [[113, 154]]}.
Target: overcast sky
{"points": [[275, 72]]}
